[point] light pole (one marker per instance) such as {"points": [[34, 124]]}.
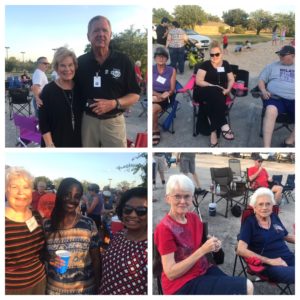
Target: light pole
{"points": [[23, 55], [7, 52]]}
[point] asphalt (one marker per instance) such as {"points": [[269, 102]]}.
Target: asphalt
{"points": [[136, 122], [225, 229], [245, 120]]}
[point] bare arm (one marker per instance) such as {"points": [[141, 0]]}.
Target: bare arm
{"points": [[230, 78], [262, 86], [243, 251], [175, 270], [103, 106], [48, 140], [36, 90], [290, 238], [253, 176], [91, 207]]}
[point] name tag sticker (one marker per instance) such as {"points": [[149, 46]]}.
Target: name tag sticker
{"points": [[32, 224], [97, 81], [220, 69], [161, 79]]}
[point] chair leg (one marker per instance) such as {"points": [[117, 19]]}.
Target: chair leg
{"points": [[194, 120], [234, 266]]}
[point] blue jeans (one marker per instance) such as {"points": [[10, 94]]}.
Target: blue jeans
{"points": [[177, 58]]}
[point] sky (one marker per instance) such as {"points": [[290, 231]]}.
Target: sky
{"points": [[93, 167], [37, 29]]}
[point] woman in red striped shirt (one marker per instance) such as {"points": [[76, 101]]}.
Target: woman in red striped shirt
{"points": [[24, 239]]}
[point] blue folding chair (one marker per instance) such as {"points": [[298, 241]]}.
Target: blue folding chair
{"points": [[170, 111]]}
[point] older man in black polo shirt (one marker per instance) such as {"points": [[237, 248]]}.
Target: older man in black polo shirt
{"points": [[107, 86]]}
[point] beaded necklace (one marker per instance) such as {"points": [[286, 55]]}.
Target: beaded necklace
{"points": [[69, 98]]}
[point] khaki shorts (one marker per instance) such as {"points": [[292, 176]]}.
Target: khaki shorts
{"points": [[103, 133]]}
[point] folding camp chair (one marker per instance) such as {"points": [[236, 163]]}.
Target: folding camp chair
{"points": [[19, 102], [235, 166], [248, 271], [27, 131], [283, 120], [289, 187], [170, 111], [144, 104], [224, 178]]}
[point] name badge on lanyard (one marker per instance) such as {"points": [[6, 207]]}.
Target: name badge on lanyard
{"points": [[220, 69], [32, 224], [97, 81]]}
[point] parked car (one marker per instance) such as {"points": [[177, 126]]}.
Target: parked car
{"points": [[201, 41], [285, 157]]}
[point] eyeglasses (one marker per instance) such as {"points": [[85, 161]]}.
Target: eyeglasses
{"points": [[214, 54], [186, 197], [44, 63], [260, 161], [139, 210], [283, 55]]}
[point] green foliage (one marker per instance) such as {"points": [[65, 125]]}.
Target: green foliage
{"points": [[236, 17], [287, 20], [189, 16], [213, 18], [260, 19], [140, 168], [239, 29], [133, 43], [124, 185], [158, 14], [221, 29]]}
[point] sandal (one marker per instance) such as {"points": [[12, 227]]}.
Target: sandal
{"points": [[155, 138], [285, 145], [225, 132], [214, 145]]}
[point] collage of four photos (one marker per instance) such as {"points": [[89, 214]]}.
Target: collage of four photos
{"points": [[183, 210]]}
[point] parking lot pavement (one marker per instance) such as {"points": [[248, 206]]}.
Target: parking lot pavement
{"points": [[134, 123], [225, 228], [245, 119]]}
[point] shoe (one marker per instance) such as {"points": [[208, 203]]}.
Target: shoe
{"points": [[155, 138], [163, 182], [285, 145], [225, 132], [214, 145]]}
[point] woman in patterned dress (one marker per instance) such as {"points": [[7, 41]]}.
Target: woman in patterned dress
{"points": [[69, 230], [124, 264]]}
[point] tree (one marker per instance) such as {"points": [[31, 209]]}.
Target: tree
{"points": [[213, 18], [11, 64], [235, 17], [138, 168], [189, 16], [287, 20], [124, 185], [57, 181], [260, 19], [158, 14]]}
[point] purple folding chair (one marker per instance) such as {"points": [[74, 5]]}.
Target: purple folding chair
{"points": [[28, 130]]}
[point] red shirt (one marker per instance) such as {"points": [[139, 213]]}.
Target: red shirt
{"points": [[182, 239], [35, 199], [225, 39], [261, 180]]}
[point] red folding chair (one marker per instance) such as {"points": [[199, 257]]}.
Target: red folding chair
{"points": [[254, 270]]}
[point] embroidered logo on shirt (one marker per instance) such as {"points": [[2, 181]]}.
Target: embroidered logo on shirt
{"points": [[277, 227], [116, 73]]}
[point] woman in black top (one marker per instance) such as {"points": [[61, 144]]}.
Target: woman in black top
{"points": [[214, 81], [60, 114]]}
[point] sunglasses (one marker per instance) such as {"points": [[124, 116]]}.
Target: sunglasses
{"points": [[214, 54], [139, 210]]}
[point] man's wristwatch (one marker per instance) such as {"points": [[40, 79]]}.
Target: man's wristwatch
{"points": [[118, 104]]}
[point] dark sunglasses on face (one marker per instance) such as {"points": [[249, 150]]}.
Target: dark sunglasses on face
{"points": [[214, 54], [139, 210]]}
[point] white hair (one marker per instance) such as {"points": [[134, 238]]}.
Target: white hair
{"points": [[261, 192], [181, 182], [17, 172]]}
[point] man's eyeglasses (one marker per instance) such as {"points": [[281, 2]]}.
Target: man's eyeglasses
{"points": [[214, 54], [186, 197], [44, 63], [260, 161], [139, 210], [283, 55]]}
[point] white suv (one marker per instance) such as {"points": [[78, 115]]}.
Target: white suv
{"points": [[201, 41]]}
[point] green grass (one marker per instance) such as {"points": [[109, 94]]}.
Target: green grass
{"points": [[237, 39]]}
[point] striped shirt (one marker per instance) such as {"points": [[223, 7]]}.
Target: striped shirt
{"points": [[23, 265]]}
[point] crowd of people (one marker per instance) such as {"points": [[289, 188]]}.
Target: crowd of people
{"points": [[215, 80], [33, 265], [185, 250]]}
